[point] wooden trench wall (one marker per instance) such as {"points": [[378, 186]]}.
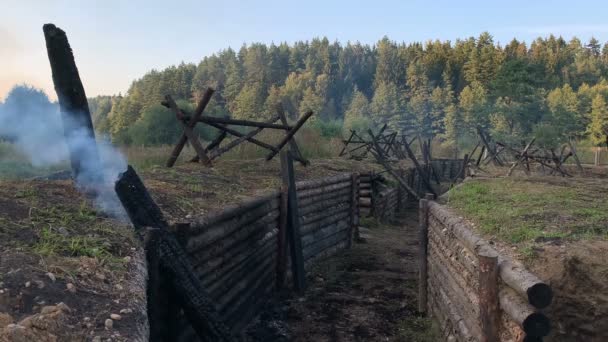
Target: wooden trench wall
{"points": [[455, 290], [235, 252]]}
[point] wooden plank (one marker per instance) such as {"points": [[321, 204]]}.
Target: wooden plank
{"points": [[248, 123], [293, 225]]}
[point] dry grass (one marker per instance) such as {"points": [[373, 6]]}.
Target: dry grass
{"points": [[526, 210]]}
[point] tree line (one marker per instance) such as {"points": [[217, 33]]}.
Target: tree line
{"points": [[552, 89]]}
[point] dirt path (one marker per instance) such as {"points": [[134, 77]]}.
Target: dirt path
{"points": [[365, 294]]}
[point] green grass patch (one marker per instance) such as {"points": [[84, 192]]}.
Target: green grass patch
{"points": [[521, 211], [418, 329]]}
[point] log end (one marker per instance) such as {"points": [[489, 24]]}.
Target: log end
{"points": [[540, 295], [536, 325]]}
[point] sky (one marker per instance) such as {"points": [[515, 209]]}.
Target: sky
{"points": [[118, 41]]}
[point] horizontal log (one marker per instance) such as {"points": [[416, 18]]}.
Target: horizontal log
{"points": [[325, 254], [444, 241], [310, 193], [242, 317], [365, 193], [319, 246], [231, 211], [469, 276], [525, 283], [324, 232], [325, 196], [248, 123], [216, 267], [311, 227], [533, 323], [466, 302], [234, 292], [238, 266], [240, 301], [462, 329], [512, 273], [326, 213], [309, 184], [323, 206], [210, 234]]}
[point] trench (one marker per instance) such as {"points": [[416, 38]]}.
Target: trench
{"points": [[366, 293]]}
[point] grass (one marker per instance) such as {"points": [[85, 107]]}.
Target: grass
{"points": [[522, 211], [418, 329]]}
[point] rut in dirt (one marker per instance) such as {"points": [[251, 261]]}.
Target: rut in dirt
{"points": [[367, 293]]}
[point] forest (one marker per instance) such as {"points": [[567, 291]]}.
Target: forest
{"points": [[551, 89]]}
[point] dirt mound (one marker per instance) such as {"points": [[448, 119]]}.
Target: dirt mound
{"points": [[577, 272]]}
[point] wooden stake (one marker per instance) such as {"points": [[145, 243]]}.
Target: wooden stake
{"points": [[197, 113], [283, 215], [189, 133], [488, 296], [290, 134]]}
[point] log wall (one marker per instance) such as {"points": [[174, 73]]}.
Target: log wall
{"points": [[234, 251], [453, 284]]}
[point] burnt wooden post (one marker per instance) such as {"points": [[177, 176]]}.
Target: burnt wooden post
{"points": [[74, 106], [354, 210], [293, 223], [198, 112], [489, 314], [172, 276], [423, 240], [283, 215]]}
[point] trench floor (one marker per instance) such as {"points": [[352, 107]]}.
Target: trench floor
{"points": [[367, 293]]}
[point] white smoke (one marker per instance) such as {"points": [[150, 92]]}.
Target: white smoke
{"points": [[36, 128]]}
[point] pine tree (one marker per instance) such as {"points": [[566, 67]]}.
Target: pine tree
{"points": [[357, 116]]}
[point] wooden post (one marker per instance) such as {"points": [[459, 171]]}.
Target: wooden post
{"points": [[423, 239], [175, 268], [354, 210], [293, 225], [74, 106], [283, 214], [489, 314]]}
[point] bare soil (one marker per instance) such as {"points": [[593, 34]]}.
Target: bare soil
{"points": [[367, 293]]}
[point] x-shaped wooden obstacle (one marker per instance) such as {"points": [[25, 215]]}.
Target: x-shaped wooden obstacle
{"points": [[213, 150]]}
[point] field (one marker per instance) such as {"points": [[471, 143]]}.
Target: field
{"points": [[559, 228]]}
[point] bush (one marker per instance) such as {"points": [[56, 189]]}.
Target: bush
{"points": [[328, 129]]}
